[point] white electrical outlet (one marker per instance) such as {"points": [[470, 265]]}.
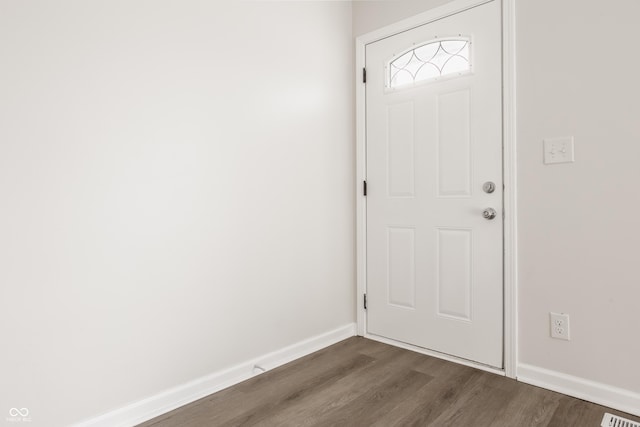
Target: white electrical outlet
{"points": [[558, 150], [559, 326]]}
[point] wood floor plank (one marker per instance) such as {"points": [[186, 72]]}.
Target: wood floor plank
{"points": [[368, 407], [478, 405], [430, 401], [572, 411], [531, 406], [360, 382], [341, 392], [297, 393]]}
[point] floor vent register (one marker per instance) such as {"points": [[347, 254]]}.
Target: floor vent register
{"points": [[610, 420]]}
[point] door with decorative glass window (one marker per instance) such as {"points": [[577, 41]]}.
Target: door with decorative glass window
{"points": [[434, 179]]}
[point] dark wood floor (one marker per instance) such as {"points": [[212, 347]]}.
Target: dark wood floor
{"points": [[359, 382]]}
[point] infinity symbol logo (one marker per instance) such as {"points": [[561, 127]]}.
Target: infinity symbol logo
{"points": [[15, 412]]}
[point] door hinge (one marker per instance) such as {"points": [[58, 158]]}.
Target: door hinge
{"points": [[364, 187], [365, 301], [364, 75]]}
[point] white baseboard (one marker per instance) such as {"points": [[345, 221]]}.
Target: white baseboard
{"points": [[602, 394], [151, 407]]}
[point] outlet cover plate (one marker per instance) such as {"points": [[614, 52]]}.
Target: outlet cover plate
{"points": [[559, 323], [558, 150]]}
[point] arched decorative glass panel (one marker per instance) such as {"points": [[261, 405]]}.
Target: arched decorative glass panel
{"points": [[430, 61]]}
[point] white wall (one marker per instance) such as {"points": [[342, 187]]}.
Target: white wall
{"points": [[175, 193], [578, 233], [370, 15], [578, 230]]}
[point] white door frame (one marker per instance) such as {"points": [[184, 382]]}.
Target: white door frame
{"points": [[508, 167]]}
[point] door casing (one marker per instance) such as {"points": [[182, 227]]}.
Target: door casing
{"points": [[508, 167]]}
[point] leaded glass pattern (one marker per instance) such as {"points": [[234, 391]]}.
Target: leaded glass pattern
{"points": [[430, 61]]}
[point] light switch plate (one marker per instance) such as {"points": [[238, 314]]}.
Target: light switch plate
{"points": [[558, 150]]}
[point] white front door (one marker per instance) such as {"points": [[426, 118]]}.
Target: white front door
{"points": [[434, 138]]}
